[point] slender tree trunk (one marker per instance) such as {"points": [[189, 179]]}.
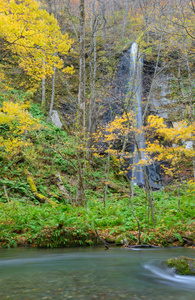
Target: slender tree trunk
{"points": [[191, 103], [81, 96], [54, 71], [50, 6], [132, 210], [53, 91], [147, 183], [80, 196], [43, 102], [103, 10], [125, 18], [71, 19], [93, 70], [153, 80], [107, 170]]}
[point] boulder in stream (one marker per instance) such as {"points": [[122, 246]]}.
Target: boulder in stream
{"points": [[183, 265]]}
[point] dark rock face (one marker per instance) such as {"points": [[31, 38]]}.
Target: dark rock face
{"points": [[153, 172], [183, 265], [114, 105]]}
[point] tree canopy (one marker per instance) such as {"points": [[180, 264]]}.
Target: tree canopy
{"points": [[34, 36]]}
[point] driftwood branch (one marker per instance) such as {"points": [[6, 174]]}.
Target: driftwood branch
{"points": [[99, 237]]}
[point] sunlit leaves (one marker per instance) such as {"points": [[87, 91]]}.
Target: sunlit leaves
{"points": [[34, 36], [171, 143], [15, 118]]}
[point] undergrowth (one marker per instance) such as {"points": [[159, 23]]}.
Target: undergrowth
{"points": [[30, 221], [25, 221]]}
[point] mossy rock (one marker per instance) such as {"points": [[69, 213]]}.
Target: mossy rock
{"points": [[110, 239], [183, 265], [120, 240], [123, 240]]}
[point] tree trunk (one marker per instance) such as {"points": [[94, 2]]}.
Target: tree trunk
{"points": [[125, 18], [53, 91], [43, 78], [132, 210], [191, 103], [107, 170], [81, 96], [147, 183], [43, 89], [80, 196], [93, 70], [103, 10], [54, 71], [70, 18]]}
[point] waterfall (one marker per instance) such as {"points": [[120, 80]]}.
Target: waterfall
{"points": [[136, 67], [128, 87]]}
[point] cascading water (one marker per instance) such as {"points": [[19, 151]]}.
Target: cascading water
{"points": [[136, 66], [128, 93], [136, 69]]}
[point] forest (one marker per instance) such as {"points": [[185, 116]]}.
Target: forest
{"points": [[97, 123]]}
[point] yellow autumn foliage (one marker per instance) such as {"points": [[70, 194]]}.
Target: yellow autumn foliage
{"points": [[172, 144], [34, 36], [15, 121]]}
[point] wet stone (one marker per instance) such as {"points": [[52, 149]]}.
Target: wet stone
{"points": [[183, 265]]}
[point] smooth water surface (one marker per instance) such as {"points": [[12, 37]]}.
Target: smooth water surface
{"points": [[92, 273]]}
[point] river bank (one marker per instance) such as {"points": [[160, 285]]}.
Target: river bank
{"points": [[29, 225]]}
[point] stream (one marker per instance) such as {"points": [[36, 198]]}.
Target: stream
{"points": [[93, 273]]}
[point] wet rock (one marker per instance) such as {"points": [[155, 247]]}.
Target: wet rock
{"points": [[183, 265]]}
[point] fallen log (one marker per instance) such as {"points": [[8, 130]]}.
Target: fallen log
{"points": [[143, 246], [188, 241], [117, 188], [41, 198]]}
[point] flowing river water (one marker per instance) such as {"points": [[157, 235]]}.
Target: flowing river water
{"points": [[93, 273]]}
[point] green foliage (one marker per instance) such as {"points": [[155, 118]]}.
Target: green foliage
{"points": [[35, 111], [49, 226]]}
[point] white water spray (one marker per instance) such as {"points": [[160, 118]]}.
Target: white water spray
{"points": [[168, 275]]}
